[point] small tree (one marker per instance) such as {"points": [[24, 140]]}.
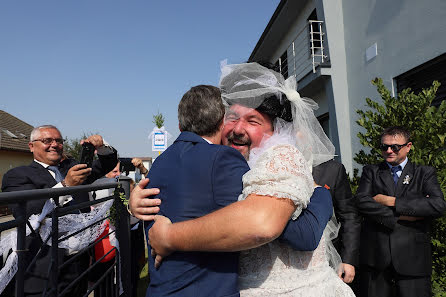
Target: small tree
{"points": [[158, 120], [427, 124]]}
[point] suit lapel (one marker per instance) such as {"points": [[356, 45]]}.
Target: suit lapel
{"points": [[407, 171], [386, 177], [44, 174]]}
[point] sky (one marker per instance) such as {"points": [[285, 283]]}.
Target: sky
{"points": [[109, 66]]}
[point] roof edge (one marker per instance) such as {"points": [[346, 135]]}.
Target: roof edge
{"points": [[268, 27]]}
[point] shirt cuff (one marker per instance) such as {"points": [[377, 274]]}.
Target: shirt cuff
{"points": [[63, 199]]}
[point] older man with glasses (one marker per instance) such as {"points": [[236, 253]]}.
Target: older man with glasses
{"points": [[398, 200], [52, 169]]}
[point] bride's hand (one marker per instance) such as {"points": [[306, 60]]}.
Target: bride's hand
{"points": [[159, 239]]}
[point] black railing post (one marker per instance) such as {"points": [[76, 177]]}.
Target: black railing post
{"points": [[54, 252], [123, 235], [21, 237]]}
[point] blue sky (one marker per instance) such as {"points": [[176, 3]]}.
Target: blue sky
{"points": [[96, 66]]}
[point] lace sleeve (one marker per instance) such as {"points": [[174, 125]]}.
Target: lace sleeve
{"points": [[281, 172]]}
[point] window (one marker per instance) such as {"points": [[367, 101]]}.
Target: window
{"points": [[325, 123], [422, 77], [282, 65], [9, 133]]}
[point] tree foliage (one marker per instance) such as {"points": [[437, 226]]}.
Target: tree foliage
{"points": [[427, 124], [158, 120]]}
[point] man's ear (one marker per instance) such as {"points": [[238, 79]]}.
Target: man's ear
{"points": [[222, 125], [179, 127], [31, 146]]}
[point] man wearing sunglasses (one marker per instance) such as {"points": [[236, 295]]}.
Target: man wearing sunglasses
{"points": [[52, 169], [398, 200]]}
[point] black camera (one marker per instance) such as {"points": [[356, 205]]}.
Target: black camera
{"points": [[87, 154]]}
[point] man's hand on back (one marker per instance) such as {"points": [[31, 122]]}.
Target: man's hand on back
{"points": [[141, 207], [159, 239]]}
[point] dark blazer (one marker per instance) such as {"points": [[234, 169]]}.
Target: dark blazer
{"points": [[332, 175], [35, 176], [195, 178], [384, 238]]}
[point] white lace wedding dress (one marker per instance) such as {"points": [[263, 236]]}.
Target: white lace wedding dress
{"points": [[275, 269]]}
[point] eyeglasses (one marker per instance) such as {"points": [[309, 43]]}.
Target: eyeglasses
{"points": [[394, 147], [48, 141]]}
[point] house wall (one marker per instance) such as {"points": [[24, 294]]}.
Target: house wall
{"points": [[408, 33], [332, 15], [293, 31], [11, 159]]}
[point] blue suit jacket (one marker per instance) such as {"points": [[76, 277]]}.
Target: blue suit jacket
{"points": [[196, 178]]}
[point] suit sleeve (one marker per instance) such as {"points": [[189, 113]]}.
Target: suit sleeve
{"points": [[367, 206], [13, 180], [305, 232], [429, 203], [348, 217], [102, 166], [228, 169]]}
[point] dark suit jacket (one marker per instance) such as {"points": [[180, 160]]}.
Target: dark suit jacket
{"points": [[386, 240], [196, 178], [35, 176], [332, 175]]}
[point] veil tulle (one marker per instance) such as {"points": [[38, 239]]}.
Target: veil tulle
{"points": [[250, 84]]}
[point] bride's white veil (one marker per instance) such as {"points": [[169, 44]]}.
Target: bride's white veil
{"points": [[250, 84]]}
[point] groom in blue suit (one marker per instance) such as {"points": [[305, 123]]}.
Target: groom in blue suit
{"points": [[195, 178]]}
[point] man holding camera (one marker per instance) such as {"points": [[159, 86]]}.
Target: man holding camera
{"points": [[51, 169]]}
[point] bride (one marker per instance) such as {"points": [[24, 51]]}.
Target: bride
{"points": [[281, 168]]}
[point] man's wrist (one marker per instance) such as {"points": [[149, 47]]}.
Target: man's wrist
{"points": [[64, 183]]}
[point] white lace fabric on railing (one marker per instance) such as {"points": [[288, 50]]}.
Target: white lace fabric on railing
{"points": [[68, 224]]}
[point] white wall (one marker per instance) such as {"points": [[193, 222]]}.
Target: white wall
{"points": [[407, 33]]}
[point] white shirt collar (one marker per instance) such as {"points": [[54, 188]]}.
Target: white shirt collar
{"points": [[41, 163], [402, 164], [207, 140]]}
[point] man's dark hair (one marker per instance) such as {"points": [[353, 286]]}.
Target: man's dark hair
{"points": [[273, 106], [276, 108], [201, 110], [396, 130]]}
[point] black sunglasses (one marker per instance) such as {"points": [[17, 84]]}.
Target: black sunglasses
{"points": [[394, 147]]}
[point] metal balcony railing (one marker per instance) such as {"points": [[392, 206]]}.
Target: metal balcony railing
{"points": [[108, 283], [306, 52]]}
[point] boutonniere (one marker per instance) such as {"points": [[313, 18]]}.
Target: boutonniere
{"points": [[406, 180]]}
